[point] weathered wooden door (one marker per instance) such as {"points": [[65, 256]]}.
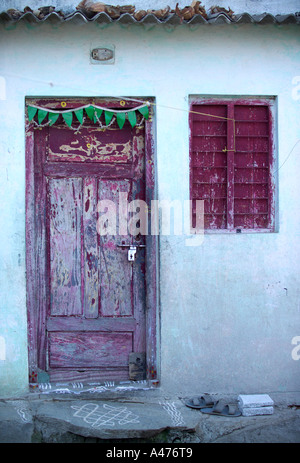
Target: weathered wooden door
{"points": [[89, 303]]}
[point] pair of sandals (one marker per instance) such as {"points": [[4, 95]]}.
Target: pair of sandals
{"points": [[208, 405]]}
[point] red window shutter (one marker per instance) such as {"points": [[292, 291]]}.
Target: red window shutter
{"points": [[230, 163], [209, 163], [251, 166]]}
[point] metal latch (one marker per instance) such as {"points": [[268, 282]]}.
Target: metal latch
{"points": [[132, 250], [131, 253]]}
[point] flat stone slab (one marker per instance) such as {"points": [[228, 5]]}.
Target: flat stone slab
{"points": [[116, 419]]}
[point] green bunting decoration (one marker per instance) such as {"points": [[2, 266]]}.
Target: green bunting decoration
{"points": [[144, 111], [90, 112], [68, 117], [121, 117], [93, 113], [132, 118], [53, 118], [108, 115], [97, 114], [41, 115], [79, 115], [31, 113]]}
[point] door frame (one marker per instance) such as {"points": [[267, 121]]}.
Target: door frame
{"points": [[34, 274]]}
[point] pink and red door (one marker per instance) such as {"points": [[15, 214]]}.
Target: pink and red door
{"points": [[87, 305]]}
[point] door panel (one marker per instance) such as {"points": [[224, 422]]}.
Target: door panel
{"points": [[95, 297], [65, 210], [96, 349], [90, 249], [116, 274]]}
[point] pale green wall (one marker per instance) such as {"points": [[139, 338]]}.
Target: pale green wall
{"points": [[227, 321]]}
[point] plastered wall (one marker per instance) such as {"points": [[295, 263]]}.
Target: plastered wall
{"points": [[229, 309]]}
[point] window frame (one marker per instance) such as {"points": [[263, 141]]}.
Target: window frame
{"points": [[230, 102]]}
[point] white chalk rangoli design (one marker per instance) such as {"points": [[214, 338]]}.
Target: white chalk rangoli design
{"points": [[93, 415], [176, 416], [22, 410]]}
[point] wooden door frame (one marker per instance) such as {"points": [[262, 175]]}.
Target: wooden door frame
{"points": [[34, 274]]}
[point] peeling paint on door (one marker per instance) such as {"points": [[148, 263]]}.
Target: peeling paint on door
{"points": [[90, 311]]}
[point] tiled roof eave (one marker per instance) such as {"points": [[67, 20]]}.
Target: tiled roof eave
{"points": [[151, 19]]}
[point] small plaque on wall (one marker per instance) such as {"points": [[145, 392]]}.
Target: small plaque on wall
{"points": [[103, 55]]}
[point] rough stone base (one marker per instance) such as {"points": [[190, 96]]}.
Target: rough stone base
{"points": [[136, 417]]}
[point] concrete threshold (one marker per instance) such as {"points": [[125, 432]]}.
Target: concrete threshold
{"points": [[143, 414]]}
